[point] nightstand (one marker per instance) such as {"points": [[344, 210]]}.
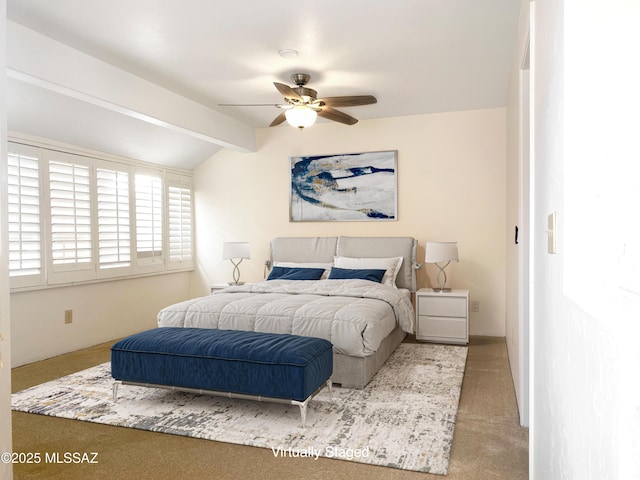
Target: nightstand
{"points": [[442, 317], [221, 286], [218, 286]]}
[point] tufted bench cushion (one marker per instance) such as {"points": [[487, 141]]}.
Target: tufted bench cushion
{"points": [[258, 364]]}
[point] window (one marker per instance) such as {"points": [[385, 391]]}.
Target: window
{"points": [[180, 224], [88, 219], [70, 246], [114, 232], [70, 213], [25, 256], [148, 219]]}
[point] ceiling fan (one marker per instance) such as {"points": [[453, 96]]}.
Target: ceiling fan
{"points": [[303, 105]]}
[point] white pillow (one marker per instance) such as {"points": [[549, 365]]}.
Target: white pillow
{"points": [[327, 266], [391, 265]]}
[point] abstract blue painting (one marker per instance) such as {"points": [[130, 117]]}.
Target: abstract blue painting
{"points": [[344, 187]]}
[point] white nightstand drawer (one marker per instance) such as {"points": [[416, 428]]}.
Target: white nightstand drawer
{"points": [[442, 306], [449, 327]]}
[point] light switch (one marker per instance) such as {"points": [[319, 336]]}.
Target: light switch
{"points": [[551, 233]]}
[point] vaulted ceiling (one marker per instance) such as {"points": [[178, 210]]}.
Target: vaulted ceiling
{"points": [[145, 79]]}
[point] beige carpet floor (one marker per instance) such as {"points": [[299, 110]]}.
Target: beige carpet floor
{"points": [[488, 442]]}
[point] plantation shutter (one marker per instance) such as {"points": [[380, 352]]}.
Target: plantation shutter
{"points": [[114, 232], [70, 202], [180, 229], [73, 217], [148, 190], [25, 233]]}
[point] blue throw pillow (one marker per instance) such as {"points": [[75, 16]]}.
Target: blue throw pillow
{"points": [[373, 274], [289, 273]]}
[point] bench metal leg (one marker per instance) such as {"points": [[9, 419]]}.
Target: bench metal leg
{"points": [[115, 389], [303, 405], [303, 410]]}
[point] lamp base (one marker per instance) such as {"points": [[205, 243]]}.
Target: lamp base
{"points": [[441, 289], [235, 283]]}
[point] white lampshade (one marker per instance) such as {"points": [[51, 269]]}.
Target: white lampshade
{"points": [[301, 116], [232, 250], [441, 252]]}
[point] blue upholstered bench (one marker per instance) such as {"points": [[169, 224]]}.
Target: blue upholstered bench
{"points": [[237, 364]]}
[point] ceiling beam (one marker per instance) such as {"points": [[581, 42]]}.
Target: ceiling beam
{"points": [[41, 61]]}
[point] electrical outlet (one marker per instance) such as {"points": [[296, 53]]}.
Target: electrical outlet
{"points": [[475, 305], [68, 316]]}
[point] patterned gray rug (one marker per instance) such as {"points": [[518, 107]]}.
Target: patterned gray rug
{"points": [[403, 419]]}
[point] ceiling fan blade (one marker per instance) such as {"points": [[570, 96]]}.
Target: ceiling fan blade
{"points": [[337, 116], [287, 92], [278, 120], [349, 101], [250, 105]]}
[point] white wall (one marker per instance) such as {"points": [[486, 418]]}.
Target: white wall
{"points": [[6, 469], [101, 312], [585, 393], [451, 186]]}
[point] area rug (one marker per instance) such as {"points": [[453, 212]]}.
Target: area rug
{"points": [[404, 418]]}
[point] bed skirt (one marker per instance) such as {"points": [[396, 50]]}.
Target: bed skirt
{"points": [[356, 372]]}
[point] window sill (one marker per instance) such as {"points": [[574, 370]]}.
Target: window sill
{"points": [[96, 281]]}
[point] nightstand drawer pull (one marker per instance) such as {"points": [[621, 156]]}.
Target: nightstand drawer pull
{"points": [[443, 306]]}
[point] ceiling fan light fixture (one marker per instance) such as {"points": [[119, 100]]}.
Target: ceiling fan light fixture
{"points": [[301, 116]]}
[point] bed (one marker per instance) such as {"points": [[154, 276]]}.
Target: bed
{"points": [[365, 320]]}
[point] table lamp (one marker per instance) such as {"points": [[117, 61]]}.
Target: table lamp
{"points": [[438, 252], [235, 251]]}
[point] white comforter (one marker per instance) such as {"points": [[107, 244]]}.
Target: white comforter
{"points": [[354, 315]]}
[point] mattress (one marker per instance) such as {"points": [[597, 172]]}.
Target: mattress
{"points": [[354, 315]]}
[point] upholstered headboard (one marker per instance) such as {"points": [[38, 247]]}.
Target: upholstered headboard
{"points": [[323, 249]]}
